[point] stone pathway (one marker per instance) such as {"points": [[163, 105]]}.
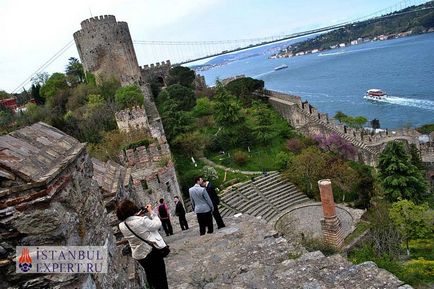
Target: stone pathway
{"points": [[213, 164], [249, 254]]}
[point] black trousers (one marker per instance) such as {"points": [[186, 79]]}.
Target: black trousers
{"points": [[205, 221], [218, 219], [183, 222], [167, 226], [155, 270]]}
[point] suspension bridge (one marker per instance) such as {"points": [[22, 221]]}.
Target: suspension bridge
{"points": [[183, 52]]}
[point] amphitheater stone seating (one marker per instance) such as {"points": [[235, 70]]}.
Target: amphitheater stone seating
{"points": [[266, 196]]}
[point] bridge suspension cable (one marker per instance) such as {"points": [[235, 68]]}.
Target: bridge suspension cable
{"points": [[45, 65]]}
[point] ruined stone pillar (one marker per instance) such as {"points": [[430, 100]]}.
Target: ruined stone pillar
{"points": [[330, 224]]}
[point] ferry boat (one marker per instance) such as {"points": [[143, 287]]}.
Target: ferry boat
{"points": [[375, 94], [283, 66]]}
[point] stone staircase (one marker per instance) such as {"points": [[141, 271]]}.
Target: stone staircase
{"points": [[266, 196]]}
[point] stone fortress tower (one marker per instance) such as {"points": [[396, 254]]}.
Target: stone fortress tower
{"points": [[106, 49]]}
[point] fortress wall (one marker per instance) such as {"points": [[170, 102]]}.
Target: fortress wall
{"points": [[157, 70]]}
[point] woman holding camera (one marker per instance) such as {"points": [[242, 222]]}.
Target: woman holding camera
{"points": [[140, 228]]}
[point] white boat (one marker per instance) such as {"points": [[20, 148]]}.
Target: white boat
{"points": [[375, 94], [283, 66]]}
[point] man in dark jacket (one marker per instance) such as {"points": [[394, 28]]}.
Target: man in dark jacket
{"points": [[180, 212], [215, 201]]}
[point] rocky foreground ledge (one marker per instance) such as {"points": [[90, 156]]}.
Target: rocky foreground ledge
{"points": [[249, 254]]}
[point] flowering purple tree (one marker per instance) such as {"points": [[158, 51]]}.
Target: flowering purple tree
{"points": [[334, 143]]}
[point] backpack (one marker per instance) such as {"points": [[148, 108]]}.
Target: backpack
{"points": [[162, 211]]}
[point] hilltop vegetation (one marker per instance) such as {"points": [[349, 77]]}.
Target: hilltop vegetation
{"points": [[397, 22]]}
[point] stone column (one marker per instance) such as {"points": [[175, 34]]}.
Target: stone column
{"points": [[330, 224]]}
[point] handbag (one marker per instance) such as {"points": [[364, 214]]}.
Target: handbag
{"points": [[162, 252]]}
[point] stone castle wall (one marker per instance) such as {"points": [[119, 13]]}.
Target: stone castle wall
{"points": [[306, 118], [106, 49], [157, 71], [61, 206]]}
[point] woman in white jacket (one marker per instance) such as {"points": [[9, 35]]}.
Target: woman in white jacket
{"points": [[137, 225]]}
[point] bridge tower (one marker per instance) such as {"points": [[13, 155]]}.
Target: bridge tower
{"points": [[106, 49]]}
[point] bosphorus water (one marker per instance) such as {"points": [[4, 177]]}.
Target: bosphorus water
{"points": [[336, 80]]}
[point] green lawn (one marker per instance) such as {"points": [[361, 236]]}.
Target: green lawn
{"points": [[259, 158], [187, 171]]}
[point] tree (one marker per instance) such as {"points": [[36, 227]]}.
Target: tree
{"points": [[191, 143], [181, 75], [398, 176], [334, 143], [340, 116], [413, 221], [53, 86], [244, 87], [4, 94], [40, 78], [415, 158], [227, 109], [74, 71], [183, 96], [129, 96], [306, 169], [262, 128]]}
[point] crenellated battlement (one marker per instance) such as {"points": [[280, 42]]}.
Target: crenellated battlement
{"points": [[98, 20], [164, 64], [305, 117], [133, 118]]}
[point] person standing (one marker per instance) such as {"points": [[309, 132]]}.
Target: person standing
{"points": [[137, 226], [215, 201], [163, 214], [202, 206], [180, 212]]}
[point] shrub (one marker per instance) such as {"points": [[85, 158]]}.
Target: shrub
{"points": [[129, 96], [295, 145], [282, 160], [209, 173], [240, 157], [312, 244]]}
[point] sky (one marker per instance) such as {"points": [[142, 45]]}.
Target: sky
{"points": [[33, 31]]}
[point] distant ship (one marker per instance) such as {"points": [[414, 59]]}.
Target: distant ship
{"points": [[283, 66], [375, 94]]}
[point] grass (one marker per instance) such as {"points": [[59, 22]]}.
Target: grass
{"points": [[418, 271], [187, 171], [260, 158]]}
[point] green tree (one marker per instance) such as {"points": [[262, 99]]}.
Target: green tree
{"points": [[74, 71], [306, 169], [4, 94], [413, 221], [340, 116], [181, 75], [227, 109], [415, 157], [398, 176], [183, 96], [244, 87], [262, 128], [53, 86], [129, 96], [191, 143]]}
